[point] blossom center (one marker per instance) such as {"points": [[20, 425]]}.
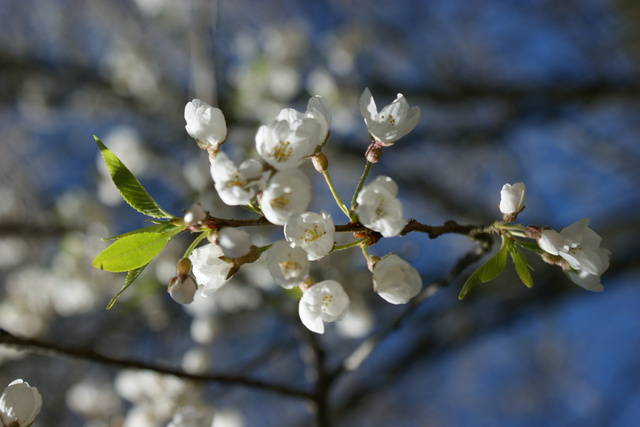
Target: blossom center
{"points": [[282, 151]]}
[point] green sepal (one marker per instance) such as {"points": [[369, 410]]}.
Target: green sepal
{"points": [[522, 267], [487, 271], [131, 252], [158, 227], [131, 276], [128, 185]]}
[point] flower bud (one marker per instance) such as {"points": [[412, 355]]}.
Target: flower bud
{"points": [[205, 124], [194, 216], [320, 162], [19, 404], [233, 242], [182, 288], [512, 199]]}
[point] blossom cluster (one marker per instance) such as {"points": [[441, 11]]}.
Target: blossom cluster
{"points": [[277, 188]]}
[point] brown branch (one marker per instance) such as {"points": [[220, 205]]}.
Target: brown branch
{"points": [[52, 350]]}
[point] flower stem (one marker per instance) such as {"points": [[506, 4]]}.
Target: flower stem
{"points": [[363, 178], [336, 197], [348, 245], [195, 242]]}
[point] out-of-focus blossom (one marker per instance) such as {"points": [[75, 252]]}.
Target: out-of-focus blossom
{"points": [[312, 232], [19, 404], [234, 242], [378, 208], [395, 280], [393, 122]]}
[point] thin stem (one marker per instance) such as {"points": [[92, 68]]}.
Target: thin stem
{"points": [[363, 178], [348, 245], [336, 197], [195, 242]]}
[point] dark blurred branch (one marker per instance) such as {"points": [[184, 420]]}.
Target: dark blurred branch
{"points": [[34, 230], [53, 350]]}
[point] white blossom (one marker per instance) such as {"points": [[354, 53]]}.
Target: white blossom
{"points": [[317, 109], [287, 193], [195, 215], [19, 404], [378, 208], [395, 280], [209, 270], [235, 185], [393, 122], [205, 124], [590, 282], [288, 266], [312, 232], [579, 245], [234, 242], [512, 198], [325, 301], [285, 144]]}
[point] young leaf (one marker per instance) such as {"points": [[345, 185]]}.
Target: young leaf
{"points": [[487, 271], [131, 276], [128, 185], [522, 268], [161, 227], [131, 252]]}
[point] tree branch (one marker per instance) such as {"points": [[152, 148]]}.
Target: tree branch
{"points": [[52, 350]]}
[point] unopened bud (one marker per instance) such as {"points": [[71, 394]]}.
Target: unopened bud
{"points": [[194, 216], [320, 162], [183, 266], [374, 152]]}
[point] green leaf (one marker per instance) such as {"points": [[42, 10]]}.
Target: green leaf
{"points": [[487, 271], [129, 187], [161, 227], [531, 246], [131, 276], [522, 267], [131, 252]]}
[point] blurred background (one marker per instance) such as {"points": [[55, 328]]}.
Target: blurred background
{"points": [[543, 92]]}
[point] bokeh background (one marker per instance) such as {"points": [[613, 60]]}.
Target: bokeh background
{"points": [[544, 92]]}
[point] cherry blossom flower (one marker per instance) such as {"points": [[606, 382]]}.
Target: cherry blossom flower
{"points": [[580, 247], [209, 270], [288, 266], [312, 232], [512, 198], [393, 122], [205, 124], [395, 280], [233, 242], [287, 193], [317, 109], [19, 404], [285, 143], [235, 185], [325, 301], [378, 208], [590, 282]]}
